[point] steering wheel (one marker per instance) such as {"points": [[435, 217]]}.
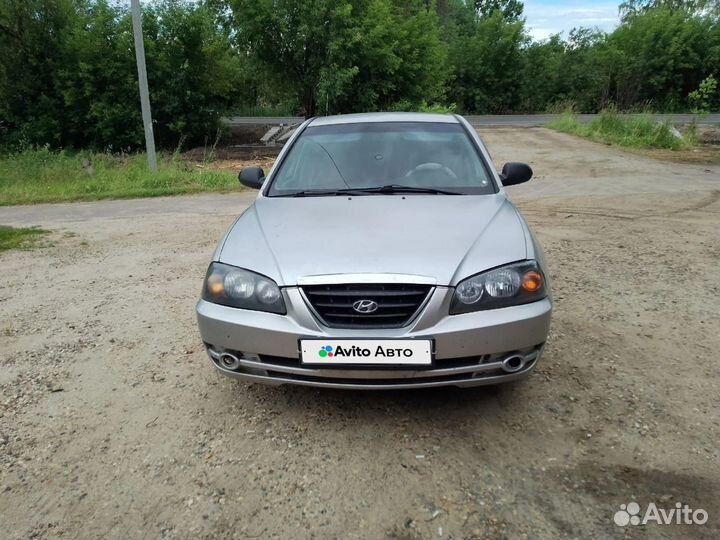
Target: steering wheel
{"points": [[431, 167]]}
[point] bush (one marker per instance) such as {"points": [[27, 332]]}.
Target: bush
{"points": [[637, 131], [408, 106], [340, 56], [74, 78], [68, 76], [705, 97]]}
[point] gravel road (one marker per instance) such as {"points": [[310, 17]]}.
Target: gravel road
{"points": [[113, 423]]}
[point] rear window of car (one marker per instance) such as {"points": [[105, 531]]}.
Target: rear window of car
{"points": [[366, 155]]}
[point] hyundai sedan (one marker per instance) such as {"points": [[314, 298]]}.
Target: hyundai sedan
{"points": [[381, 253]]}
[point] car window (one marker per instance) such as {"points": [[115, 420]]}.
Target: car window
{"points": [[368, 155]]}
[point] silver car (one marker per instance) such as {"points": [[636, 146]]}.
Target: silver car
{"points": [[381, 253]]}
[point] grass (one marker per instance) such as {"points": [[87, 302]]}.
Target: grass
{"points": [[40, 175], [12, 238], [628, 131]]}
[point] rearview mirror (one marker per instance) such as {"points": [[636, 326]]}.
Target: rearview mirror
{"points": [[515, 173], [252, 177]]}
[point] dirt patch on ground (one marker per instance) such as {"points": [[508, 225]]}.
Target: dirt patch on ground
{"points": [[701, 154], [246, 134], [707, 134], [705, 152], [113, 423], [233, 158]]}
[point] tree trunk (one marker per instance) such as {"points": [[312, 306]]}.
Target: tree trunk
{"points": [[309, 100]]}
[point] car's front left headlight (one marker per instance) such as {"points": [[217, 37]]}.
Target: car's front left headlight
{"points": [[511, 285], [236, 287]]}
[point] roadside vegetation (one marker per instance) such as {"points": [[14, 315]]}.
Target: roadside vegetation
{"points": [[41, 175], [637, 131], [69, 93], [68, 75], [13, 238]]}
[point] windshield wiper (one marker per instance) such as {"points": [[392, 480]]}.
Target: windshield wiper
{"points": [[391, 188], [321, 193], [397, 188]]}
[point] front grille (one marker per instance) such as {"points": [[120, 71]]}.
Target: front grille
{"points": [[396, 304]]}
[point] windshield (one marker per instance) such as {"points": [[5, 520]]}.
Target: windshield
{"points": [[420, 156]]}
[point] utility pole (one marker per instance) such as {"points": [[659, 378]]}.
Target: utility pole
{"points": [[143, 84]]}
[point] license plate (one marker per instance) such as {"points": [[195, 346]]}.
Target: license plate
{"points": [[366, 352]]}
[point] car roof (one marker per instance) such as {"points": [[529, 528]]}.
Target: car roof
{"points": [[383, 117]]}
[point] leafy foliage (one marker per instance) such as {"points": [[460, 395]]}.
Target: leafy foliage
{"points": [[487, 65], [631, 8], [345, 55], [637, 131], [68, 76], [663, 56], [705, 97], [509, 9]]}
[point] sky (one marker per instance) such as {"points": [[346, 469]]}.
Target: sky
{"points": [[547, 17]]}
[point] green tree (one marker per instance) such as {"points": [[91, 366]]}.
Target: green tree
{"points": [[510, 9], [193, 70], [97, 86], [631, 8], [69, 76], [706, 97], [488, 66], [32, 52], [545, 81], [345, 55], [394, 54], [589, 67], [292, 38], [663, 55]]}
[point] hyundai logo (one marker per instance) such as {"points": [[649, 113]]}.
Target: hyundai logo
{"points": [[365, 306]]}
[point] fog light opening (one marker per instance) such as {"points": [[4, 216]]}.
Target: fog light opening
{"points": [[513, 363], [229, 361]]}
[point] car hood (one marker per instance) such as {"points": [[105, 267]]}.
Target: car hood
{"points": [[447, 238]]}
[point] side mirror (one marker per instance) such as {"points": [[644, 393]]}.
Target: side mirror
{"points": [[252, 177], [515, 173]]}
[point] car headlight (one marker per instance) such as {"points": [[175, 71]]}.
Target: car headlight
{"points": [[511, 285], [235, 287]]}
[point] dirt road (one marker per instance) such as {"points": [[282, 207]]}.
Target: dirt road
{"points": [[113, 423]]}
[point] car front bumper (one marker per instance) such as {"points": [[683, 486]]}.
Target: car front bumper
{"points": [[468, 348]]}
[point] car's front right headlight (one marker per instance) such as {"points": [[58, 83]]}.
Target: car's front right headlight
{"points": [[240, 288], [511, 285]]}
